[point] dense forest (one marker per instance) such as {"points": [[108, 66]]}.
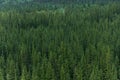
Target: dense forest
{"points": [[56, 1], [59, 42]]}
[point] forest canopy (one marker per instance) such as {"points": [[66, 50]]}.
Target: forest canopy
{"points": [[51, 41], [56, 1]]}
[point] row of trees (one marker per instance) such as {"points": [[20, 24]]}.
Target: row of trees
{"points": [[54, 1], [79, 43]]}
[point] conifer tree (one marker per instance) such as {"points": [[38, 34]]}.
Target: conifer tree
{"points": [[95, 74], [78, 75], [1, 74], [49, 72], [10, 69], [25, 74]]}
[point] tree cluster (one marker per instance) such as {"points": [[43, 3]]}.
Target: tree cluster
{"points": [[78, 43]]}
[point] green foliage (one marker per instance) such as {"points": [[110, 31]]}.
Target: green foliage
{"points": [[78, 42]]}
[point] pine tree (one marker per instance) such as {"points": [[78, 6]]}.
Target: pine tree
{"points": [[95, 74], [113, 72], [25, 74], [35, 73], [64, 73], [78, 75], [1, 74], [49, 72], [2, 68], [10, 69]]}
